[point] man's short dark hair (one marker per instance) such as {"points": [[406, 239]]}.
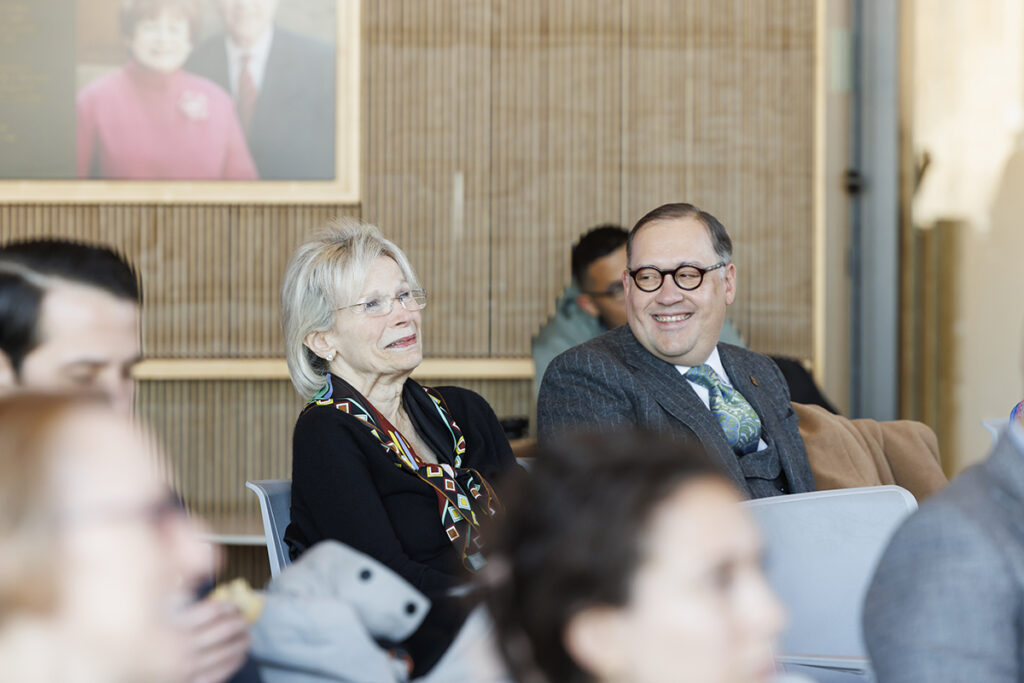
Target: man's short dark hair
{"points": [[720, 239], [572, 537], [25, 267], [597, 243]]}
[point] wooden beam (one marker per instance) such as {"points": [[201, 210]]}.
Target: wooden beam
{"points": [[153, 369]]}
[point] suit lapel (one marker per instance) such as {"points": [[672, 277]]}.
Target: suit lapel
{"points": [[675, 395]]}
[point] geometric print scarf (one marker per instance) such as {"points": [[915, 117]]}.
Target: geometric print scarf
{"points": [[463, 495]]}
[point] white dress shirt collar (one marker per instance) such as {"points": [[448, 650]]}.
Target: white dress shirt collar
{"points": [[715, 361]]}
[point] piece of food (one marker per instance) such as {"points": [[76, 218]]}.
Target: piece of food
{"points": [[240, 594]]}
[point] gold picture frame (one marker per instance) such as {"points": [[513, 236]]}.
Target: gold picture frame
{"points": [[345, 188]]}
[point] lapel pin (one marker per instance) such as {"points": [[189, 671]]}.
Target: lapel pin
{"points": [[753, 381]]}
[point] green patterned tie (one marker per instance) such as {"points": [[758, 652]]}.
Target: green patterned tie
{"points": [[739, 421]]}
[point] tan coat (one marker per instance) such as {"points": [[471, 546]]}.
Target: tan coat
{"points": [[847, 453]]}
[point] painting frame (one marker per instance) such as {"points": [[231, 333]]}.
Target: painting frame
{"points": [[344, 189]]}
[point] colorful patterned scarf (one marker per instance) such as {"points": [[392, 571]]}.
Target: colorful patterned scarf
{"points": [[463, 495]]}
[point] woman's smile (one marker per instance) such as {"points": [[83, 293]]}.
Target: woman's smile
{"points": [[403, 343]]}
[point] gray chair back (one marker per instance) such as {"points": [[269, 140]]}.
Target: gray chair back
{"points": [[822, 549], [275, 497]]}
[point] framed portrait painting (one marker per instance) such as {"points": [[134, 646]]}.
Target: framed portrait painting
{"points": [[219, 101]]}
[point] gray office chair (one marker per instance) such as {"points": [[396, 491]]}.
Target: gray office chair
{"points": [[275, 503], [822, 550]]}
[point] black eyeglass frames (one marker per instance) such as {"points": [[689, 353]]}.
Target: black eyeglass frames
{"points": [[686, 276]]}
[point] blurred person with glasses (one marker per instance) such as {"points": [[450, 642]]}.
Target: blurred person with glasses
{"points": [[668, 369], [396, 470], [69, 322], [98, 563]]}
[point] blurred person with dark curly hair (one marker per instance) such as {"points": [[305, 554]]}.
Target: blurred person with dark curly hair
{"points": [[624, 557]]}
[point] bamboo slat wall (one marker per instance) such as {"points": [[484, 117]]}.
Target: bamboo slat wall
{"points": [[494, 132]]}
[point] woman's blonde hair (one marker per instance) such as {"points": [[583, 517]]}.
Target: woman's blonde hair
{"points": [[29, 505], [325, 274]]}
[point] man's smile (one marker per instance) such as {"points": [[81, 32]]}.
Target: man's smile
{"points": [[671, 318]]}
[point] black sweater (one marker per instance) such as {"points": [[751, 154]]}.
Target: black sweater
{"points": [[345, 486]]}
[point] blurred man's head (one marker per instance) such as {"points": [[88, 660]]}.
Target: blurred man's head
{"points": [[69, 320], [598, 260], [248, 21]]}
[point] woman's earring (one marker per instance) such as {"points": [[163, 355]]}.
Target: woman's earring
{"points": [[330, 357]]}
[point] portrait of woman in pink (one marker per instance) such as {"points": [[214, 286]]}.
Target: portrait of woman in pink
{"points": [[151, 119]]}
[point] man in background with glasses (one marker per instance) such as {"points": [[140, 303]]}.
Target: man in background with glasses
{"points": [[668, 371], [592, 304]]}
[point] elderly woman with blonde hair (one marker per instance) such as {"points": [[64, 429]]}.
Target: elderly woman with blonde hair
{"points": [[399, 471], [97, 561]]}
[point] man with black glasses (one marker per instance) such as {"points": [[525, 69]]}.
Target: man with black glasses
{"points": [[667, 370]]}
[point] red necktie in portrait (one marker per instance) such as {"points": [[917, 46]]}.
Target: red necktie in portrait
{"points": [[246, 94]]}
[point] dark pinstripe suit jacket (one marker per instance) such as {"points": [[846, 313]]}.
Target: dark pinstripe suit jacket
{"points": [[612, 381]]}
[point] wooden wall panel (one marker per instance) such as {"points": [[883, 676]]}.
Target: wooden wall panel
{"points": [[718, 111], [211, 274], [557, 136], [495, 132], [219, 434], [428, 161]]}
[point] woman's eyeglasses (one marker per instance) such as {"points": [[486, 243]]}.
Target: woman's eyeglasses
{"points": [[411, 300]]}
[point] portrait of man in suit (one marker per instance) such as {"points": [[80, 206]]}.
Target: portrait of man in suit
{"points": [[283, 85], [667, 369]]}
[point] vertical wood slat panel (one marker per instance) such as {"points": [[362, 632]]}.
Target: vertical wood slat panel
{"points": [[697, 128], [428, 137], [218, 434]]}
